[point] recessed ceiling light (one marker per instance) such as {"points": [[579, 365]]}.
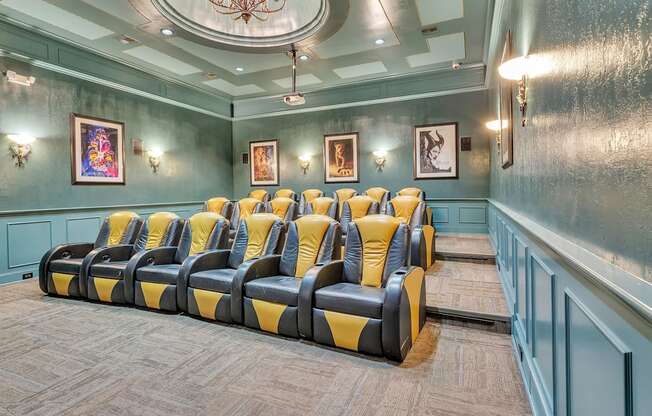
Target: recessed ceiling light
{"points": [[167, 31], [379, 41], [304, 57], [239, 69]]}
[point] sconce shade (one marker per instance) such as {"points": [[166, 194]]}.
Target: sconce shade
{"points": [[380, 153], [524, 66], [304, 158], [155, 152], [21, 139], [497, 125]]}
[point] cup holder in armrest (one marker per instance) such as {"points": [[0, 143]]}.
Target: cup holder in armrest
{"points": [[106, 257], [319, 264], [400, 273], [150, 261]]}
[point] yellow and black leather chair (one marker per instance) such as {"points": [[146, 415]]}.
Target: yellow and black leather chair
{"points": [[244, 208], [322, 206], [208, 283], [271, 294], [356, 207], [103, 269], [412, 211], [151, 276], [416, 192], [260, 194], [60, 267], [286, 193], [341, 196], [306, 197], [284, 208], [219, 205], [380, 195], [371, 301]]}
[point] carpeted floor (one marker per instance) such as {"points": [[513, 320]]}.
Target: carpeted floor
{"points": [[62, 356]]}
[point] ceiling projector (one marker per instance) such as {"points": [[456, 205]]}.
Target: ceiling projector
{"points": [[295, 98]]}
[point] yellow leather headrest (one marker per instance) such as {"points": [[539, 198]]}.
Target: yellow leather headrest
{"points": [[343, 195], [359, 206], [311, 230], [321, 205], [409, 192], [376, 232], [118, 223], [284, 193], [216, 204], [310, 194], [258, 228], [157, 226], [201, 228], [377, 193], [258, 194], [280, 206], [404, 207], [247, 206]]}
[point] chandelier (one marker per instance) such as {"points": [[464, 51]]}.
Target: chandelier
{"points": [[246, 9]]}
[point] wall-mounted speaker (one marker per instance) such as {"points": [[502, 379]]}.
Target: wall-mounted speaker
{"points": [[245, 158]]}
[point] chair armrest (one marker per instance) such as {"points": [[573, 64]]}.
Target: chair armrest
{"points": [[63, 251], [418, 256], [120, 252], [404, 311], [250, 270], [207, 260], [160, 255], [318, 276]]}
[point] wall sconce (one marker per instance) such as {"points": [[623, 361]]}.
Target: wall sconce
{"points": [[497, 126], [155, 158], [15, 78], [304, 162], [20, 148], [521, 69], [380, 158]]}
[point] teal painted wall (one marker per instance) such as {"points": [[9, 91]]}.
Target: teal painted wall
{"points": [[388, 126], [196, 164], [583, 164], [571, 219]]}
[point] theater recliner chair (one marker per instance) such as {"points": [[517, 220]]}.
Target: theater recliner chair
{"points": [[286, 193], [243, 208], [260, 194], [60, 267], [151, 276], [271, 293], [412, 211], [103, 269], [356, 207], [322, 206], [284, 208], [416, 192], [341, 196], [380, 195], [219, 205], [306, 197], [207, 285], [371, 301]]}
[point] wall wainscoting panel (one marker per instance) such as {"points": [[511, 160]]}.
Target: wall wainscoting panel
{"points": [[26, 236], [581, 348], [459, 215]]}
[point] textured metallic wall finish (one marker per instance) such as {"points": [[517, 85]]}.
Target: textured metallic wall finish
{"points": [[381, 126], [196, 163], [583, 165]]}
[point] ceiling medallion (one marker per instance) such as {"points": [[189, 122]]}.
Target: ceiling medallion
{"points": [[246, 9]]}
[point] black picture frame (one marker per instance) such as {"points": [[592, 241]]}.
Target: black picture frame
{"points": [[418, 174], [355, 176]]}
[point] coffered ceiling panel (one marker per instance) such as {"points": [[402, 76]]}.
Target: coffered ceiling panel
{"points": [[353, 41]]}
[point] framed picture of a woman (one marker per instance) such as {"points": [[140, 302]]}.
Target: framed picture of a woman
{"points": [[341, 158], [263, 169], [436, 151]]}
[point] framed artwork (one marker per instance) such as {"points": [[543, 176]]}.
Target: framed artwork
{"points": [[263, 169], [97, 151], [506, 110], [341, 158], [436, 151]]}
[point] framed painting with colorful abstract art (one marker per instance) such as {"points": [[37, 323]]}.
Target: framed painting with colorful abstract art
{"points": [[98, 156], [264, 163]]}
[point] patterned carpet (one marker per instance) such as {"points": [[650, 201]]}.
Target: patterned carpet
{"points": [[61, 356]]}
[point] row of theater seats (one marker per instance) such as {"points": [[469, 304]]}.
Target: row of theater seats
{"points": [[345, 205], [276, 276]]}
